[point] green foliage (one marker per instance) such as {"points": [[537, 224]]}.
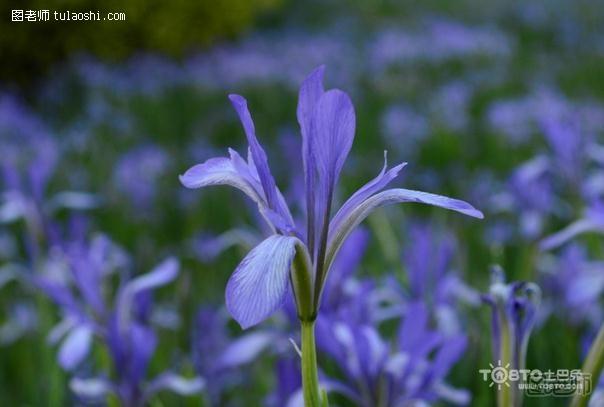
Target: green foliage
{"points": [[173, 28]]}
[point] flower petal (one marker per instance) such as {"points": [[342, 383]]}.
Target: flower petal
{"points": [[220, 171], [259, 284], [310, 93], [162, 274], [175, 383], [245, 349], [450, 352], [91, 389], [334, 123], [73, 200], [75, 347], [257, 152], [388, 197], [333, 126], [576, 228], [372, 187]]}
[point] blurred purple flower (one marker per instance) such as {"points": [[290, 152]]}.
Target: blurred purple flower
{"points": [[375, 373], [30, 158], [403, 128], [138, 172], [450, 105], [574, 285], [514, 309], [437, 42], [428, 259], [123, 324]]}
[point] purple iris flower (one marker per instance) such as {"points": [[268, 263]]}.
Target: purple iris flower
{"points": [[514, 311], [259, 284], [377, 373], [123, 325]]}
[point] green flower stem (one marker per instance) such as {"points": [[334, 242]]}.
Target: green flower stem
{"points": [[594, 362], [505, 394], [310, 375]]}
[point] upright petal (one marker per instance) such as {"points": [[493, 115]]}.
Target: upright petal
{"points": [[449, 353], [388, 197], [143, 343], [258, 154], [259, 284], [414, 326], [334, 124], [310, 93]]}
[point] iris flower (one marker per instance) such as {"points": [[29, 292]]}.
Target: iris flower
{"points": [[514, 309], [121, 323], [302, 254]]}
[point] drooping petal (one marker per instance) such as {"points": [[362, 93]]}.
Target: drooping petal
{"points": [[59, 331], [75, 347], [259, 284], [162, 274], [236, 172], [574, 229], [220, 171], [73, 200], [372, 187], [388, 197], [245, 349], [91, 389], [175, 383]]}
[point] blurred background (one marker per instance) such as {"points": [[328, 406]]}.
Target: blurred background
{"points": [[500, 103]]}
